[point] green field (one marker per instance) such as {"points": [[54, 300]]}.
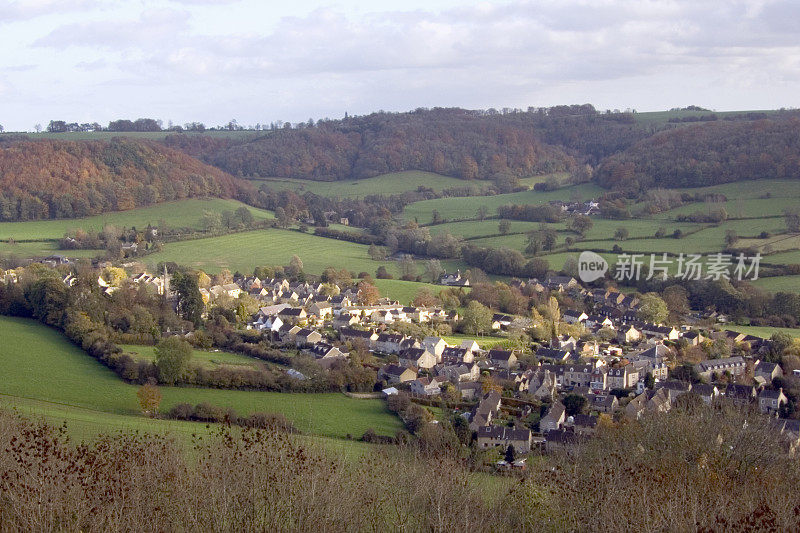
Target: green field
{"points": [[184, 213], [42, 249], [206, 359], [386, 184], [764, 332], [37, 363], [466, 208], [244, 251], [404, 291], [779, 284]]}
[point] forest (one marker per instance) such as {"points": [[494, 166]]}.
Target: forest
{"points": [[68, 179]]}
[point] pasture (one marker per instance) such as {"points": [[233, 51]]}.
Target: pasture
{"points": [[765, 332], [244, 251], [466, 208], [38, 363], [207, 359], [183, 214], [385, 184]]}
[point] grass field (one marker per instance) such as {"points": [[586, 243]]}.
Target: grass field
{"points": [[764, 332], [206, 359], [184, 213], [42, 249], [37, 363], [461, 208], [779, 284], [404, 291], [244, 251], [386, 184]]}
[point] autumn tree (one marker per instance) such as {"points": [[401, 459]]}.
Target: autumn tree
{"points": [[368, 293], [149, 398]]}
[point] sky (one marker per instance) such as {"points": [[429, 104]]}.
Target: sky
{"points": [[261, 61]]}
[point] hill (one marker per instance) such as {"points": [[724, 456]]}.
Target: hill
{"points": [[455, 142], [710, 153], [65, 179]]}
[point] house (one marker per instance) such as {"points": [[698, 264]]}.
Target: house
{"points": [[394, 374], [322, 310], [544, 387], [561, 283], [435, 345], [628, 334], [770, 401], [790, 431], [603, 403], [694, 338], [460, 372], [554, 418], [674, 388], [454, 280], [623, 378], [573, 317], [740, 394], [307, 337], [660, 332], [599, 321], [649, 400], [231, 290], [711, 368], [470, 390], [501, 321], [486, 410], [582, 424], [417, 357], [470, 345], [578, 375], [293, 315], [287, 332], [492, 436], [425, 387], [389, 343], [452, 355], [502, 358], [358, 335], [709, 393], [553, 354], [768, 371]]}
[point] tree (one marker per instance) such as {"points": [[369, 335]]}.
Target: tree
{"points": [[792, 217], [376, 253], [211, 221], [482, 213], [190, 301], [731, 237], [504, 227], [282, 219], [653, 308], [510, 454], [245, 216], [368, 293], [574, 404], [677, 299], [581, 224], [433, 270], [173, 355], [425, 298], [477, 319], [149, 398], [408, 268], [382, 273], [295, 267], [621, 234]]}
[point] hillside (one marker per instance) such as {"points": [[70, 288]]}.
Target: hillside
{"points": [[455, 142], [66, 179], [710, 153]]}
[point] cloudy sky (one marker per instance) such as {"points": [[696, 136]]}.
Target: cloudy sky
{"points": [[260, 61]]}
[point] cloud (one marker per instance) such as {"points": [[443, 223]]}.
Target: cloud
{"points": [[149, 32], [19, 10]]}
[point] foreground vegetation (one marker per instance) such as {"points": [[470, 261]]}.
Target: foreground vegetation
{"points": [[659, 473]]}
